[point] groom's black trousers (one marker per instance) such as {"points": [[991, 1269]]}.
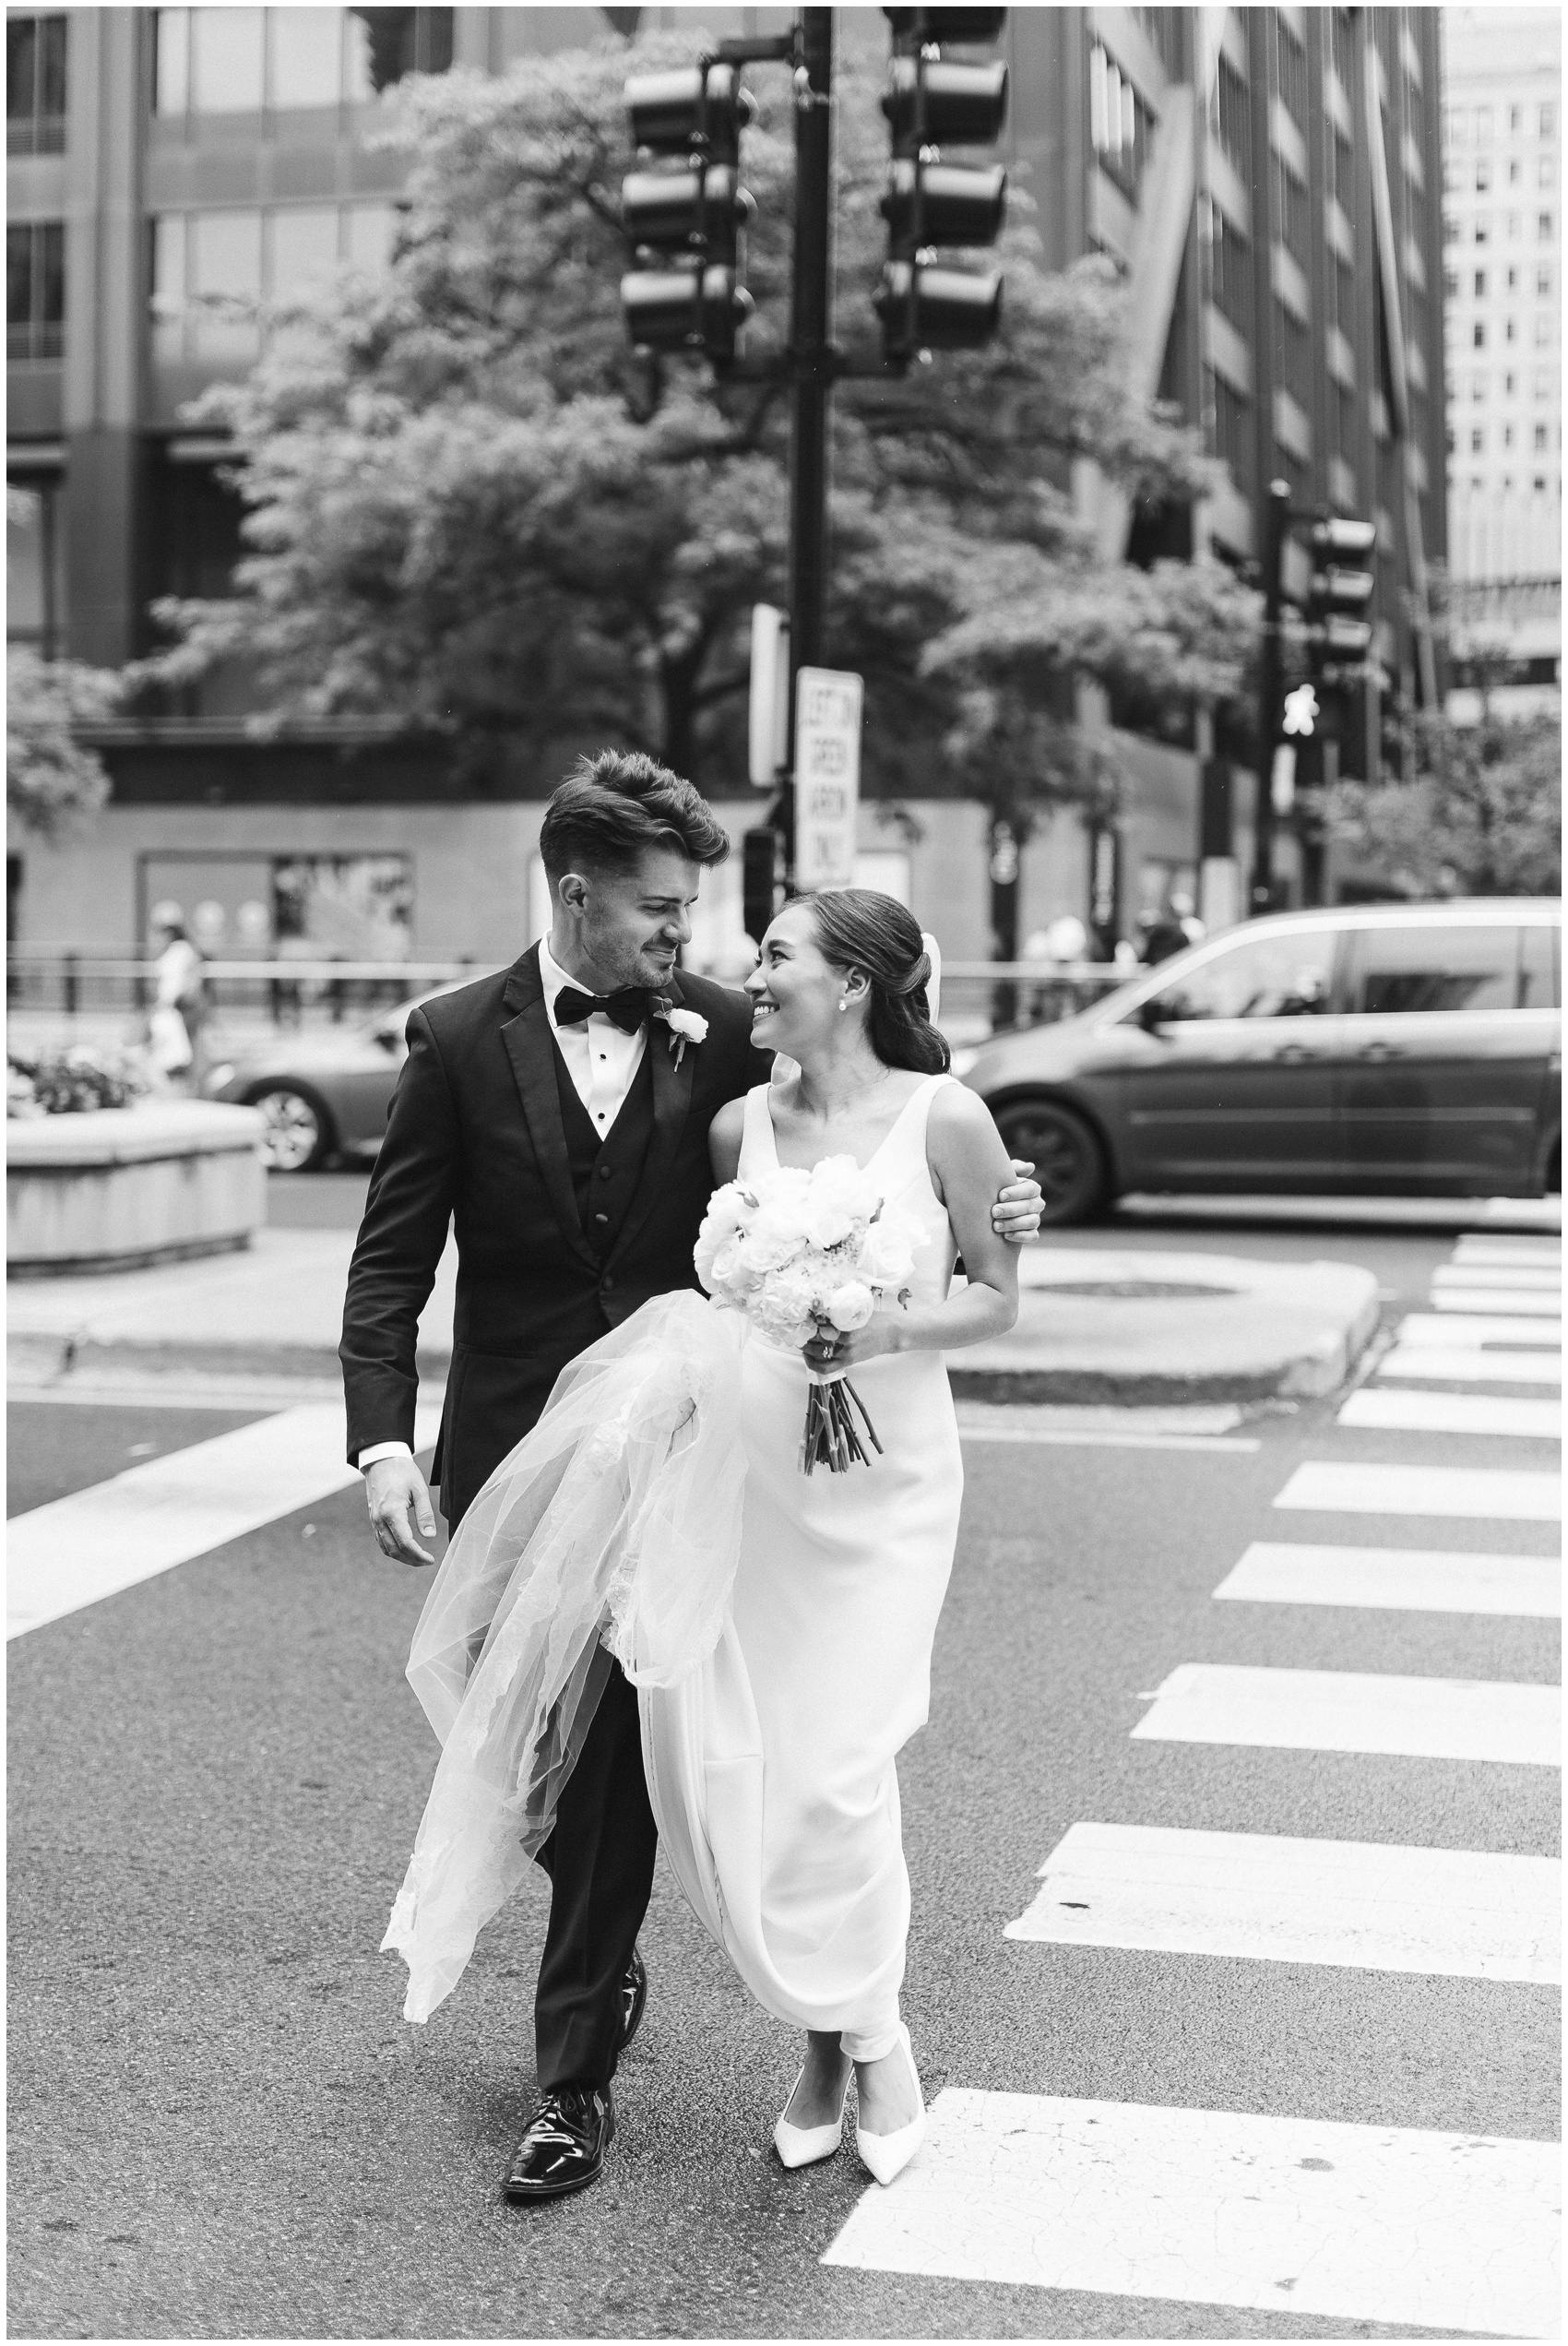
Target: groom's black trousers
{"points": [[600, 1860]]}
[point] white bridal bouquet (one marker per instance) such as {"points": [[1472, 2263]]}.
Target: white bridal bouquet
{"points": [[798, 1252]]}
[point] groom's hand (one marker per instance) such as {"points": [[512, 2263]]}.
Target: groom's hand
{"points": [[1016, 1215], [399, 1498]]}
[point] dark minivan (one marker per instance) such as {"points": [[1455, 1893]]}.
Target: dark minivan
{"points": [[1410, 1048]]}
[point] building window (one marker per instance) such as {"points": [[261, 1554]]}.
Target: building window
{"points": [[1290, 210], [1232, 431], [1512, 228], [1512, 280], [1515, 120], [1543, 385], [1120, 124], [1539, 484], [1232, 116], [1542, 441], [1483, 125], [1546, 173], [1549, 122], [1293, 344], [1510, 384], [1478, 388], [1514, 173], [1478, 334], [1543, 228], [1483, 175], [228, 60], [1508, 435], [1483, 231], [1230, 270], [1340, 47], [211, 269], [1508, 330], [1543, 280], [35, 85], [1480, 282], [35, 289], [1543, 333], [1478, 443], [35, 565], [1292, 72], [1451, 283]]}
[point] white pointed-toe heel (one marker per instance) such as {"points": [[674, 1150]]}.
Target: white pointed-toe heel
{"points": [[803, 2146], [887, 2155]]}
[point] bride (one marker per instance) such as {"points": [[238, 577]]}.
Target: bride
{"points": [[779, 1626]]}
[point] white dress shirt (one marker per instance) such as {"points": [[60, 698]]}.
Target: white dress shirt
{"points": [[601, 1062]]}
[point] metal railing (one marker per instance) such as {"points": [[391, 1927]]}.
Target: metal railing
{"points": [[73, 986]]}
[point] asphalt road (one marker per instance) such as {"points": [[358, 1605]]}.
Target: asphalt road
{"points": [[220, 2125]]}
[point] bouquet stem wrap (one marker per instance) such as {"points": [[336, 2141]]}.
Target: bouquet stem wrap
{"points": [[611, 1532]]}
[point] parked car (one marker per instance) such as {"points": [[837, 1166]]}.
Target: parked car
{"points": [[322, 1094], [1367, 1048]]}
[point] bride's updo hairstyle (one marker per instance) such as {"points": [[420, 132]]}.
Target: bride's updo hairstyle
{"points": [[859, 928]]}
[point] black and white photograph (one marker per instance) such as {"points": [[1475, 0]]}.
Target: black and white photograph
{"points": [[784, 1172]]}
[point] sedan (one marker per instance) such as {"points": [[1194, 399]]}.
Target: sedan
{"points": [[1367, 1048], [322, 1094]]}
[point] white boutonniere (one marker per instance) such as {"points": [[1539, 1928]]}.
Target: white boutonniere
{"points": [[685, 1026]]}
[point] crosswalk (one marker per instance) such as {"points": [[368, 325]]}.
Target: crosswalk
{"points": [[1363, 2223]]}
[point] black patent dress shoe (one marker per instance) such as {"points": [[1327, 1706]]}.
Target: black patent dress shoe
{"points": [[564, 2145], [634, 1995]]}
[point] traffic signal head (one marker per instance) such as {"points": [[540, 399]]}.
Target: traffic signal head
{"points": [[931, 101], [686, 226], [695, 110], [1338, 632], [958, 207], [923, 308]]}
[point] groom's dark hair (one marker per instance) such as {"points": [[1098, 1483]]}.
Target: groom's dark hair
{"points": [[616, 804]]}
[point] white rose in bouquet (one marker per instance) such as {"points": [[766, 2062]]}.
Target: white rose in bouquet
{"points": [[886, 1257], [774, 1238], [840, 1205], [850, 1306]]}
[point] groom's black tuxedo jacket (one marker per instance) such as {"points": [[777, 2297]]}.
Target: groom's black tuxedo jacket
{"points": [[561, 1235]]}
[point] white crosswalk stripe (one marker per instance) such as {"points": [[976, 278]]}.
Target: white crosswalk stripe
{"points": [[1204, 1702], [1513, 1495], [1292, 2216], [1288, 1899], [79, 1550], [1438, 1365], [1545, 1253], [1535, 1278], [1492, 1328], [1397, 1579], [1523, 1302], [1382, 1409]]}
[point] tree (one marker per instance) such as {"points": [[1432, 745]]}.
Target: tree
{"points": [[53, 784], [1482, 817], [471, 504]]}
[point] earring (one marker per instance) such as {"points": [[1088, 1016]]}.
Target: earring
{"points": [[845, 1003]]}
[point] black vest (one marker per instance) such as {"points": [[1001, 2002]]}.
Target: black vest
{"points": [[605, 1172]]}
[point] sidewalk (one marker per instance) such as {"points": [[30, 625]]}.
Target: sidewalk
{"points": [[1130, 1329]]}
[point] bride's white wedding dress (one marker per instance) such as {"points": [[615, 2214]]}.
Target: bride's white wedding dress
{"points": [[771, 1767], [779, 1627]]}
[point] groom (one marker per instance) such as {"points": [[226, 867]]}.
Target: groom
{"points": [[558, 1116]]}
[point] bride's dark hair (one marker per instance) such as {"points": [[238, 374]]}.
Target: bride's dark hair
{"points": [[858, 928]]}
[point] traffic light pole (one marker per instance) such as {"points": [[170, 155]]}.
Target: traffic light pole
{"points": [[812, 366], [1271, 687]]}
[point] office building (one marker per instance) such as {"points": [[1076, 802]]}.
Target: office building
{"points": [[1502, 279], [1267, 178]]}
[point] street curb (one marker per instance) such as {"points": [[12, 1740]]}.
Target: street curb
{"points": [[37, 1361]]}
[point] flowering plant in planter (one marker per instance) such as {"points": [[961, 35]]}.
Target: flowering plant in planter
{"points": [[60, 1083]]}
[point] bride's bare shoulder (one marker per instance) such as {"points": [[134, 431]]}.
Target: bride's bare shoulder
{"points": [[724, 1138]]}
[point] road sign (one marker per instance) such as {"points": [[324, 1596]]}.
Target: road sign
{"points": [[768, 746], [828, 776]]}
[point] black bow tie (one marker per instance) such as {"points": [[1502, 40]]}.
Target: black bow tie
{"points": [[627, 1009]]}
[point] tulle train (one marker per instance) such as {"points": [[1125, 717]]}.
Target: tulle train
{"points": [[612, 1530]]}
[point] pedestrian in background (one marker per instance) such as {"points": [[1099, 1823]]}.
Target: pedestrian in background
{"points": [[180, 1003]]}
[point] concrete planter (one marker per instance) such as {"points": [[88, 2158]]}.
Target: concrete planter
{"points": [[116, 1188]]}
